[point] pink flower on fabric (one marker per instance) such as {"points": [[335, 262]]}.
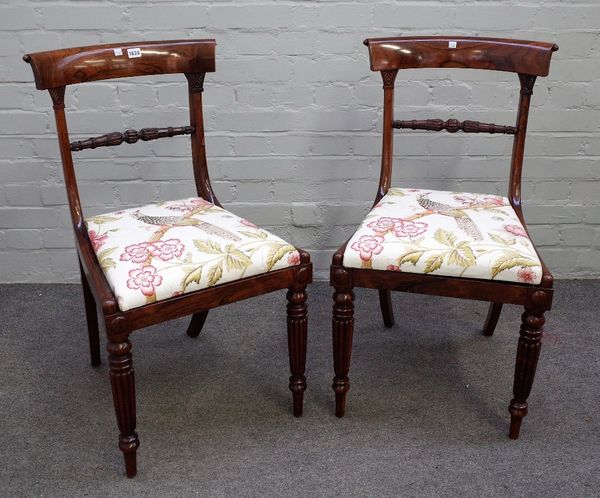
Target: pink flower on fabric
{"points": [[384, 225], [410, 228], [393, 268], [97, 240], [188, 205], [466, 200], [476, 200], [166, 249], [294, 258], [368, 245], [144, 279], [248, 223], [526, 275], [136, 253], [494, 200], [515, 230], [200, 202], [400, 227]]}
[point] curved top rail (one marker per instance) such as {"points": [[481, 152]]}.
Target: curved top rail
{"points": [[499, 54], [67, 66]]}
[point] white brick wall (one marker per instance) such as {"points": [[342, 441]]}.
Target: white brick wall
{"points": [[294, 117]]}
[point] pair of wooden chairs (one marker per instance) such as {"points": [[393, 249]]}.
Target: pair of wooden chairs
{"points": [[145, 265]]}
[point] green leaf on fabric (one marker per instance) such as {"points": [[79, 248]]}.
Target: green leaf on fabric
{"points": [[254, 235], [208, 247], [276, 253], [510, 261], [462, 255], [434, 262], [236, 259], [501, 240], [215, 274], [410, 257], [193, 276], [445, 237]]}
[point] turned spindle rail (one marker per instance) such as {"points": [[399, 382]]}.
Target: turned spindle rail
{"points": [[454, 125], [130, 137]]}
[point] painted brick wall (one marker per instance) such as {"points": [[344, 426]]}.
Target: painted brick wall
{"points": [[293, 117]]}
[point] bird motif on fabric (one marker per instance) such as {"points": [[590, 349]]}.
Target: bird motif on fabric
{"points": [[182, 221], [463, 221]]}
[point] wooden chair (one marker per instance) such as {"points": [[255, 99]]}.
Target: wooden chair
{"points": [[176, 258], [470, 246]]}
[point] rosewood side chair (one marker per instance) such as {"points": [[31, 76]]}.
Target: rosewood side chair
{"points": [[150, 264], [470, 246]]}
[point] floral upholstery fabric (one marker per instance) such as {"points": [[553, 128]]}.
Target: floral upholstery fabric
{"points": [[163, 250], [445, 233]]}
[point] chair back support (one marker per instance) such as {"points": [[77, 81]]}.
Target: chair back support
{"points": [[528, 59], [54, 70]]}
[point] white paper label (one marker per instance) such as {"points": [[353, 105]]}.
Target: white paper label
{"points": [[134, 52], [118, 51], [451, 44]]}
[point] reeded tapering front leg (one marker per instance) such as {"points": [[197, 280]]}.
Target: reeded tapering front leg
{"points": [[196, 323], [297, 325], [123, 391], [385, 301], [343, 329], [91, 314], [492, 319], [528, 352]]}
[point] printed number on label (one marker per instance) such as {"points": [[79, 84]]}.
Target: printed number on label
{"points": [[134, 52]]}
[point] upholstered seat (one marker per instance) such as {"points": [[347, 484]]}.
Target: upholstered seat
{"points": [[445, 233], [163, 250]]}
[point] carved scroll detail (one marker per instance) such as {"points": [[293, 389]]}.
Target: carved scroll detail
{"points": [[388, 78], [527, 83], [453, 125], [131, 137], [58, 96], [196, 81]]}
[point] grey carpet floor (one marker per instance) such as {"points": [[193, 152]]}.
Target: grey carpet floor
{"points": [[427, 413]]}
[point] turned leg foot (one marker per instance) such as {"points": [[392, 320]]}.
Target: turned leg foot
{"points": [[196, 323], [92, 319], [492, 319], [343, 329], [297, 324], [385, 301], [528, 351], [123, 390]]}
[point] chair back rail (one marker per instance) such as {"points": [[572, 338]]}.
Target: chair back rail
{"points": [[528, 59], [68, 66], [54, 70], [415, 52]]}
